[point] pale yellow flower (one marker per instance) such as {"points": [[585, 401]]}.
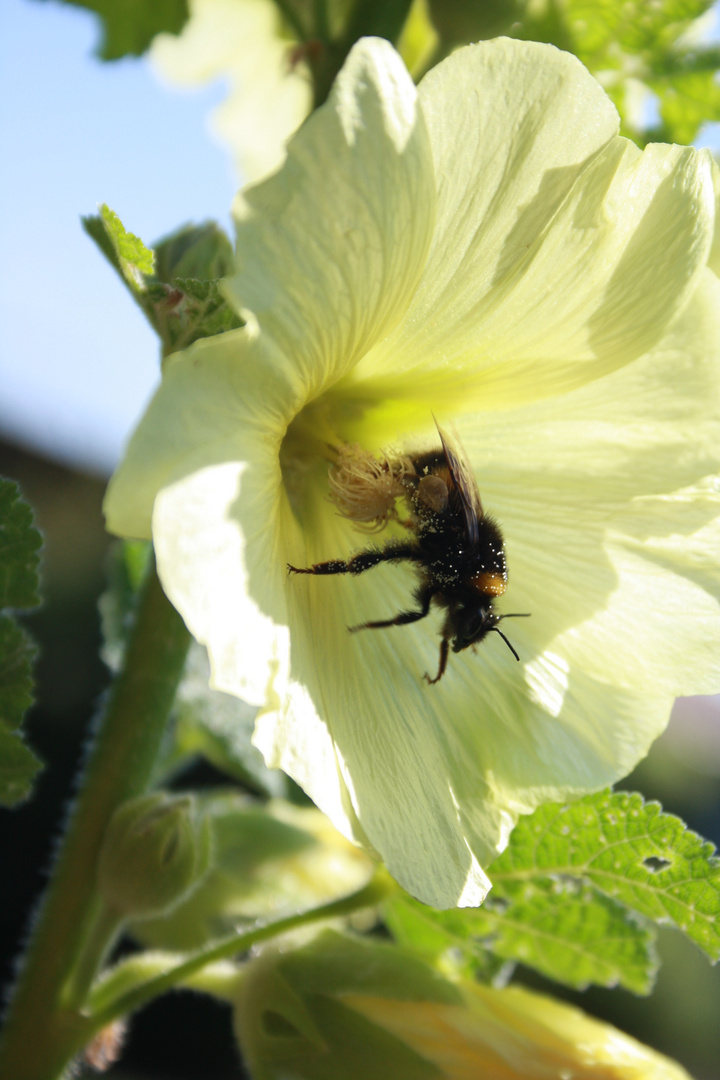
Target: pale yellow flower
{"points": [[269, 94], [485, 247], [342, 1007], [515, 1034]]}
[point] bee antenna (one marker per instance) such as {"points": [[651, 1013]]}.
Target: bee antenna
{"points": [[512, 650]]}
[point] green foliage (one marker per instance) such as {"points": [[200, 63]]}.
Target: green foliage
{"points": [[130, 26], [569, 933], [19, 559], [577, 892], [629, 850], [178, 285], [190, 310], [18, 766], [194, 251], [125, 251], [636, 48], [687, 100], [17, 653], [20, 544]]}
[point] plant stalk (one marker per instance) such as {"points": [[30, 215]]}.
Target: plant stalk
{"points": [[43, 1024]]}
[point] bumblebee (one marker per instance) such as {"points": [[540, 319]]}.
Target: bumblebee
{"points": [[456, 548]]}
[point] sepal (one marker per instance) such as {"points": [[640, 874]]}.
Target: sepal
{"points": [[155, 850], [292, 1016]]}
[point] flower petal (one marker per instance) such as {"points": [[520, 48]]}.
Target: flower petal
{"points": [[612, 532], [515, 1034], [714, 256], [560, 252], [363, 695], [214, 399], [330, 249], [202, 475], [612, 527], [437, 775], [433, 777]]}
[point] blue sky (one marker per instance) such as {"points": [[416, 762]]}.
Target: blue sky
{"points": [[77, 360]]}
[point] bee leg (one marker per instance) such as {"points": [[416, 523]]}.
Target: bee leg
{"points": [[444, 648], [364, 560], [424, 595]]}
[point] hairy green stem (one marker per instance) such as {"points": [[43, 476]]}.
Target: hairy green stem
{"points": [[139, 979], [370, 18], [44, 1026], [292, 18], [102, 933], [322, 23]]}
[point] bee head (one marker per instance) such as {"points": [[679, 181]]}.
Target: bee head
{"points": [[472, 622]]}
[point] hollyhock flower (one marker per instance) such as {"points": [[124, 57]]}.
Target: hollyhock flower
{"points": [[486, 248], [247, 44], [344, 1007], [241, 41]]}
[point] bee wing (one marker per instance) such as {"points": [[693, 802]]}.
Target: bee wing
{"points": [[464, 481]]}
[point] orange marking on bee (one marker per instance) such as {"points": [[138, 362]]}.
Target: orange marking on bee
{"points": [[489, 584]]}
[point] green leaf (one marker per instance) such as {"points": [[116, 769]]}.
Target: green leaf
{"points": [[18, 766], [627, 849], [17, 653], [603, 30], [575, 895], [19, 559], [203, 252], [20, 545], [441, 939], [644, 41], [130, 26], [125, 251], [180, 309], [687, 101], [572, 933], [564, 929]]}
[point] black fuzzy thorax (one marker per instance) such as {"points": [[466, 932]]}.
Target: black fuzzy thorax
{"points": [[451, 558]]}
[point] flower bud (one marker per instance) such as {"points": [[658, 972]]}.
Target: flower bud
{"points": [[154, 852], [346, 1009], [268, 860], [194, 251]]}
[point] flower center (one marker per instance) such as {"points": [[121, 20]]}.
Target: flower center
{"points": [[349, 432], [310, 446]]}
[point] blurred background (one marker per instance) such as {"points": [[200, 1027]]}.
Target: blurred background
{"points": [[77, 364]]}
